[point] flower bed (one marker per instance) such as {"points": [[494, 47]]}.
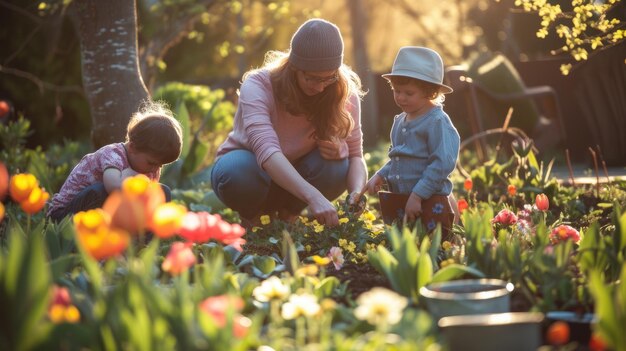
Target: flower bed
{"points": [[185, 278]]}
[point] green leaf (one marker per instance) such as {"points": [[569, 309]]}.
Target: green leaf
{"points": [[326, 286], [195, 158], [183, 117], [455, 270]]}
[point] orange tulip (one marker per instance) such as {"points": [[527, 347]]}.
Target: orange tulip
{"points": [[21, 186], [511, 189], [167, 219], [542, 203], [179, 258], [147, 191], [2, 210], [35, 201], [4, 181], [468, 184], [97, 237], [126, 213]]}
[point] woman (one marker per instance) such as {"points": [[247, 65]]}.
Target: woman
{"points": [[297, 139]]}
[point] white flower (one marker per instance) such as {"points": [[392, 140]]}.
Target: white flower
{"points": [[271, 289], [336, 255], [380, 305], [300, 305]]}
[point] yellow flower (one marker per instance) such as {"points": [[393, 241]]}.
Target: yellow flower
{"points": [[265, 220], [318, 228], [343, 220], [367, 216], [446, 245], [303, 219], [59, 313], [308, 248], [308, 269], [340, 212], [321, 261]]}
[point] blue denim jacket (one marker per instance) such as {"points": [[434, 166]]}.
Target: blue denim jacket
{"points": [[422, 154]]}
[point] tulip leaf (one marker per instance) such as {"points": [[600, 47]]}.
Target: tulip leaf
{"points": [[454, 271], [326, 286]]}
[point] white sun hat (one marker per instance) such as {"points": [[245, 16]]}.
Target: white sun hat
{"points": [[419, 63]]}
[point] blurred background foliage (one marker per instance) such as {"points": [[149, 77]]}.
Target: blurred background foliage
{"points": [[40, 56], [186, 46]]}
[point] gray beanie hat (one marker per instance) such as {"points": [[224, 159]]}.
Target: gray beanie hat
{"points": [[316, 46]]}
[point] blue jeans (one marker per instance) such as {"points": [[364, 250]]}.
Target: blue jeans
{"points": [[241, 184], [92, 197]]}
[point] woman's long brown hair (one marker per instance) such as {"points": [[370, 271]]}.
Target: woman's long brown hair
{"points": [[328, 110]]}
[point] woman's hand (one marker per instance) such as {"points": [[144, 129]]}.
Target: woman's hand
{"points": [[333, 149], [413, 208], [324, 212]]}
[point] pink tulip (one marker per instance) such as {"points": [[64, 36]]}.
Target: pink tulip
{"points": [[179, 258], [202, 226], [217, 307], [505, 218]]}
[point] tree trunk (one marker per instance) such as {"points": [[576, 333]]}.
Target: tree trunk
{"points": [[112, 81], [369, 111]]}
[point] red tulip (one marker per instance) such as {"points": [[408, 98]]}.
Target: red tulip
{"points": [[558, 333], [511, 189], [596, 343], [542, 203], [463, 205], [4, 109], [4, 181], [468, 184]]}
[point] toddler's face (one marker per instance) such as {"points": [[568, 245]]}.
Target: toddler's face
{"points": [[409, 97], [143, 162]]}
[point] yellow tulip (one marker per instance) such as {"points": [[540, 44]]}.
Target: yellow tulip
{"points": [[21, 186]]}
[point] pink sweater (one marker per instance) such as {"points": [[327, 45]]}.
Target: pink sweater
{"points": [[265, 128]]}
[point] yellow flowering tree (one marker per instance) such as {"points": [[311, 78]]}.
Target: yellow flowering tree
{"points": [[589, 26]]}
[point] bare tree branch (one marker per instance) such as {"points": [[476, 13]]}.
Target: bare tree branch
{"points": [[21, 11], [42, 85]]}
